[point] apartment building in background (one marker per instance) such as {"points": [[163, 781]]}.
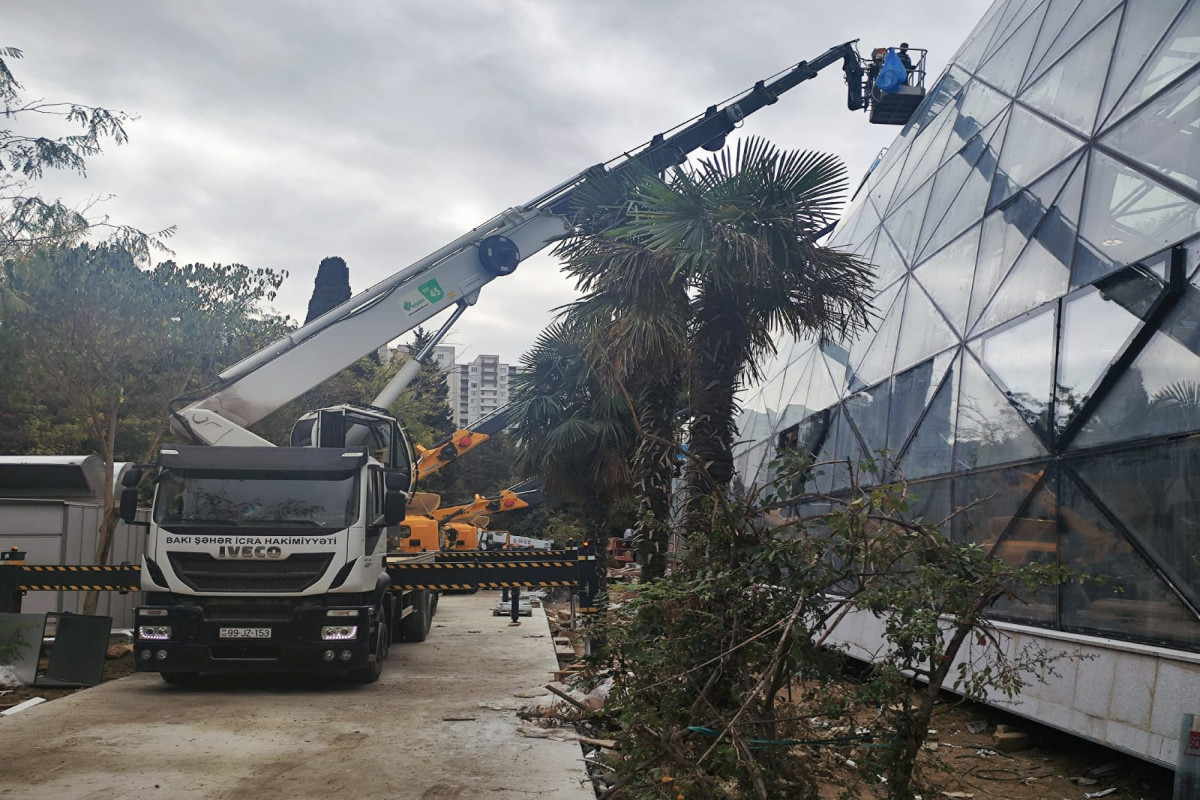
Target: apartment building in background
{"points": [[476, 388]]}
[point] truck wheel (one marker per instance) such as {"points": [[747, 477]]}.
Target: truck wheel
{"points": [[433, 601], [179, 678], [379, 640], [415, 627]]}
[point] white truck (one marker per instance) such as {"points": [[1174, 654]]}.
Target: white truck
{"points": [[263, 558]]}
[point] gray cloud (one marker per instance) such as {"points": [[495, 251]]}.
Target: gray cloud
{"points": [[275, 133]]}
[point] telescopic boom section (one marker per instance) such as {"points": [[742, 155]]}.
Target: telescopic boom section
{"points": [[450, 277]]}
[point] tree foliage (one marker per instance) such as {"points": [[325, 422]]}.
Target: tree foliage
{"points": [[727, 683], [27, 152], [98, 346]]}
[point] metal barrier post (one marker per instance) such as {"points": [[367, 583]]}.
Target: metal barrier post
{"points": [[10, 575]]}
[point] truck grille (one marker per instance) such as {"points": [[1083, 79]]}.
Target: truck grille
{"points": [[203, 573]]}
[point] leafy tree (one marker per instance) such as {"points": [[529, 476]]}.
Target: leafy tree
{"points": [[104, 345], [26, 219]]}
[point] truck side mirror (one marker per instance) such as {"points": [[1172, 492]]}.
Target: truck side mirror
{"points": [[129, 498], [131, 477], [394, 506], [399, 480]]}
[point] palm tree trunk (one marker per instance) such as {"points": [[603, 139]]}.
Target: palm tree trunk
{"points": [[653, 470], [719, 352]]}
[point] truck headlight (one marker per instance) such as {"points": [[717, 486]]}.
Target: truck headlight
{"points": [[339, 632], [155, 632]]}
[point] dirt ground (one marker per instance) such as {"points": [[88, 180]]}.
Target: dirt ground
{"points": [[960, 759]]}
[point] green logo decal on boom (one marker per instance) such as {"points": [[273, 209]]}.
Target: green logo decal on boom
{"points": [[432, 291]]}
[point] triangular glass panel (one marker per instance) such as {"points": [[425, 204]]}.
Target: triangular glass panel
{"points": [[977, 106], [947, 277], [860, 221], [826, 445], [1032, 537], [1151, 491], [1143, 25], [1036, 278], [1003, 68], [1005, 233], [836, 358], [976, 45], [848, 453], [873, 363], [1021, 356], [1118, 592], [881, 193], [923, 331], [1158, 394], [1016, 12], [1163, 135], [868, 410], [923, 159], [887, 261], [1086, 17], [1031, 147], [987, 502], [935, 107], [905, 222], [1177, 53], [953, 206], [971, 199], [1058, 13], [990, 431], [1126, 216], [1096, 328], [794, 407], [1070, 90], [930, 449], [914, 390], [1042, 272]]}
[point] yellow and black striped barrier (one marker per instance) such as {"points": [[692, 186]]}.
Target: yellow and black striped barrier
{"points": [[17, 578], [473, 569]]}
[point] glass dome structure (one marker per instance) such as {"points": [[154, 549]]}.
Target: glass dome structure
{"points": [[1036, 353]]}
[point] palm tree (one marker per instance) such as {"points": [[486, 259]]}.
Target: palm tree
{"points": [[738, 229], [569, 428], [633, 317]]}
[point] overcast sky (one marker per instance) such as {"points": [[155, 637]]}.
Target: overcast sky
{"points": [[274, 133]]}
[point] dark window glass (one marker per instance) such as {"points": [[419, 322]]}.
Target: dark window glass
{"points": [[1120, 594], [1031, 538], [869, 411], [929, 502], [1155, 493], [986, 502]]}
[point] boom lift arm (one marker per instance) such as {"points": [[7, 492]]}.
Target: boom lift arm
{"points": [[450, 276]]}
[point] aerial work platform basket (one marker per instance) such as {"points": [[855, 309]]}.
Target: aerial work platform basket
{"points": [[897, 105]]}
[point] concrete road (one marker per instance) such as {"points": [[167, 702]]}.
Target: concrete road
{"points": [[439, 724]]}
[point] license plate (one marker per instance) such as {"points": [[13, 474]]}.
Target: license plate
{"points": [[244, 633]]}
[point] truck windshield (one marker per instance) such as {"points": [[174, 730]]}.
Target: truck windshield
{"points": [[258, 499]]}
